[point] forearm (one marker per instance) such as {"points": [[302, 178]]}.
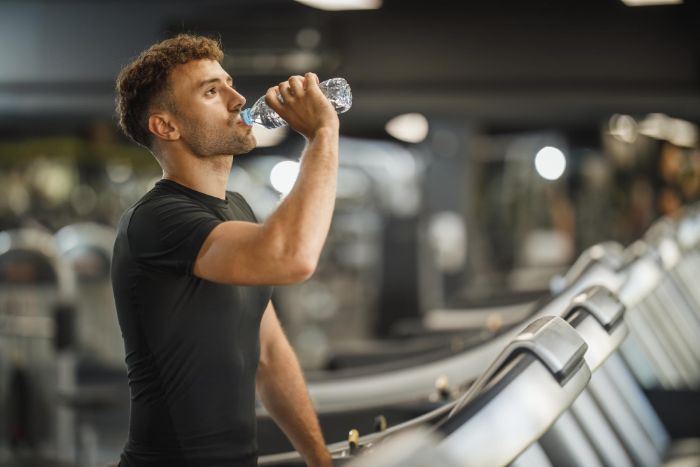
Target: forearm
{"points": [[282, 389], [303, 219]]}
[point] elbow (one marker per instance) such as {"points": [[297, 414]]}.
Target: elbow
{"points": [[290, 270], [296, 259], [300, 263], [302, 268]]}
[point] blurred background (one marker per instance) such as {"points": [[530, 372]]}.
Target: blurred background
{"points": [[488, 145]]}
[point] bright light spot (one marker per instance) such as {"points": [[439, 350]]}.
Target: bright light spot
{"points": [[682, 133], [338, 5], [651, 2], [679, 132], [623, 128], [266, 138], [550, 163], [448, 238], [654, 125], [412, 128], [283, 176]]}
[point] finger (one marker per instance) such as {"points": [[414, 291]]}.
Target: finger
{"points": [[296, 84], [285, 89], [312, 79], [272, 98]]}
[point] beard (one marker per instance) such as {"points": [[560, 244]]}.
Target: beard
{"points": [[206, 139]]}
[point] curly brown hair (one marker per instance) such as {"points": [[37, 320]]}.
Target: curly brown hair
{"points": [[143, 83]]}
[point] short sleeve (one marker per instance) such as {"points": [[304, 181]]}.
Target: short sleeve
{"points": [[167, 233]]}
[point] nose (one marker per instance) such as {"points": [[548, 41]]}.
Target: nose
{"points": [[236, 101]]}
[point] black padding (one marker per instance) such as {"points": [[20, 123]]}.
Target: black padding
{"points": [[26, 267], [66, 326]]}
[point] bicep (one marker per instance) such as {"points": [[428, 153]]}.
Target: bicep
{"points": [[237, 252]]}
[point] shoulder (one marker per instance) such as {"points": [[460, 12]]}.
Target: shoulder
{"points": [[165, 219], [162, 205]]}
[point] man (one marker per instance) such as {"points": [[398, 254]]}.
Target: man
{"points": [[192, 269]]}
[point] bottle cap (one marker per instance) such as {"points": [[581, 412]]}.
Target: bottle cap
{"points": [[245, 115]]}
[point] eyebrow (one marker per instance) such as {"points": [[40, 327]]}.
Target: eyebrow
{"points": [[213, 80]]}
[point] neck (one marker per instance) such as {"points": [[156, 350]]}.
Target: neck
{"points": [[208, 175]]}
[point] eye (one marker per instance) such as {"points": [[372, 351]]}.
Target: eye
{"points": [[211, 92]]}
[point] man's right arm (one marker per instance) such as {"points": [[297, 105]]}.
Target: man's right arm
{"points": [[286, 247]]}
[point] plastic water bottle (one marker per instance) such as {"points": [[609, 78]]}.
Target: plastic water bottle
{"points": [[337, 90]]}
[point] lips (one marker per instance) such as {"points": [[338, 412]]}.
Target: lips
{"points": [[240, 122]]}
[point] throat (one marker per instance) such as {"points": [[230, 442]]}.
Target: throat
{"points": [[208, 175]]}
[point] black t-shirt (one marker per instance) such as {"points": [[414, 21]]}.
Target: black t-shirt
{"points": [[192, 346]]}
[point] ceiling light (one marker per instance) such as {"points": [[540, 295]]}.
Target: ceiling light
{"points": [[651, 2], [411, 128], [661, 126], [283, 176], [550, 163], [683, 133], [623, 128], [338, 5]]}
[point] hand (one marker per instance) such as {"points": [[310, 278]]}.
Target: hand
{"points": [[303, 105]]}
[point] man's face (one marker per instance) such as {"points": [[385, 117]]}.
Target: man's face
{"points": [[207, 109]]}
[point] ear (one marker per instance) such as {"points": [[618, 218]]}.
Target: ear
{"points": [[163, 127]]}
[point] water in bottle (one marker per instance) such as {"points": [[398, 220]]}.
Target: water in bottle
{"points": [[337, 90]]}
